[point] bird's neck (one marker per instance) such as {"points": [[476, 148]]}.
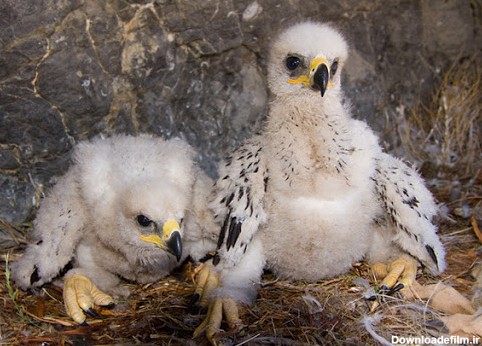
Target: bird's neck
{"points": [[305, 112], [305, 137]]}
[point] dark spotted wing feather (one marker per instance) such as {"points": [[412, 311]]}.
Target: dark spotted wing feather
{"points": [[409, 207], [238, 204]]}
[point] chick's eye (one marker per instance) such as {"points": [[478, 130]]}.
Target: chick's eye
{"points": [[333, 68], [143, 220], [292, 63]]}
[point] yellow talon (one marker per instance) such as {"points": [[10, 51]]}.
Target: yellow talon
{"points": [[80, 294], [231, 311], [212, 323], [380, 270], [395, 270], [195, 272], [402, 271], [206, 281]]}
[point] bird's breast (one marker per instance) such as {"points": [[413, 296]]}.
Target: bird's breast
{"points": [[324, 194]]}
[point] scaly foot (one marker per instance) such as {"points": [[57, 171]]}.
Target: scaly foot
{"points": [[206, 281], [218, 307], [80, 295], [396, 276]]}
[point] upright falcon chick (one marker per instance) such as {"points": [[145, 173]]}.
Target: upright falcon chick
{"points": [[314, 193], [128, 207]]}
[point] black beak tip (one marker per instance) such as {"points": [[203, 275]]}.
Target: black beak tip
{"points": [[320, 79], [174, 245]]}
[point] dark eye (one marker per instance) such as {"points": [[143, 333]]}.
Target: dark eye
{"points": [[143, 220], [333, 68], [292, 63]]}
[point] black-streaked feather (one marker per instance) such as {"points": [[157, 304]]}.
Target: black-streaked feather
{"points": [[234, 231], [224, 228], [240, 198], [431, 252]]}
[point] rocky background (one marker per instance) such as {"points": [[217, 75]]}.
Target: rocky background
{"points": [[73, 69]]}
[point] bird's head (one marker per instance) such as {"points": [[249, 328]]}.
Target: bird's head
{"points": [[307, 58], [155, 211]]}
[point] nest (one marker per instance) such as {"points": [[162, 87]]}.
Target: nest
{"points": [[327, 312], [445, 134]]}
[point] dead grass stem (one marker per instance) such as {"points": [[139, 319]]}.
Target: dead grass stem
{"points": [[447, 132]]}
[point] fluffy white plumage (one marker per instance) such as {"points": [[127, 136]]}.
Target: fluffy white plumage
{"points": [[314, 193], [117, 190]]}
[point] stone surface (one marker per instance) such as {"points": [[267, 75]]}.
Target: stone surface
{"points": [[73, 69]]}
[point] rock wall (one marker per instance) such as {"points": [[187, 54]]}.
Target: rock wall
{"points": [[73, 69]]}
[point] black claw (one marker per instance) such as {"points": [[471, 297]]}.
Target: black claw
{"points": [[195, 298], [92, 313], [84, 324], [384, 289], [437, 325], [109, 306], [216, 259], [395, 289]]}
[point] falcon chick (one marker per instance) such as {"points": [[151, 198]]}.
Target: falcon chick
{"points": [[313, 193], [128, 207]]}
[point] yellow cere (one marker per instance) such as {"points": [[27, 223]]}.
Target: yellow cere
{"points": [[317, 62], [305, 79], [169, 227], [153, 238]]}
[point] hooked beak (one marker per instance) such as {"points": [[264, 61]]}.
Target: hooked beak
{"points": [[174, 244], [319, 79], [171, 233], [170, 240]]}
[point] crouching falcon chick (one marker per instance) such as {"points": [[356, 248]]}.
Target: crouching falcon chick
{"points": [[314, 193], [128, 207]]}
